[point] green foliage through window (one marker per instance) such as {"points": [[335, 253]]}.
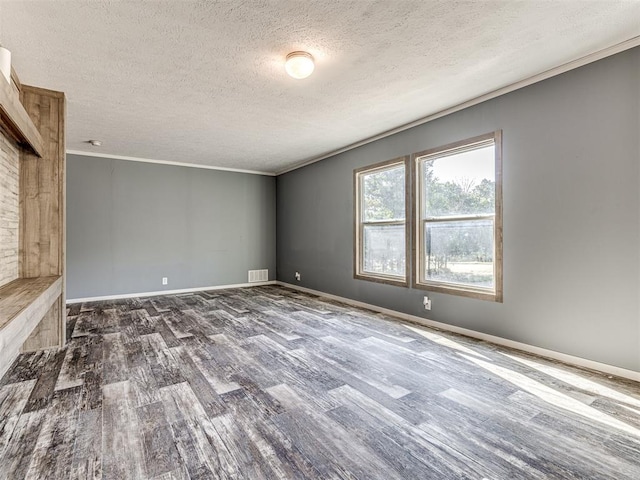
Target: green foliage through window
{"points": [[458, 193], [382, 222], [383, 195]]}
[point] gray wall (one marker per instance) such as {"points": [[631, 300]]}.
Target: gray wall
{"points": [[129, 224], [571, 215]]}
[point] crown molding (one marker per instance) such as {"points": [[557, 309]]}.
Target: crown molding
{"points": [[552, 72], [166, 162]]}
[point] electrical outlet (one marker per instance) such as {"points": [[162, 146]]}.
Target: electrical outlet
{"points": [[298, 276], [165, 280], [427, 303]]}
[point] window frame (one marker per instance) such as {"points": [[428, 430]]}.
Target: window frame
{"points": [[417, 223], [359, 224]]}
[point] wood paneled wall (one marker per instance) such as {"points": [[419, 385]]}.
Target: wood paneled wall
{"points": [[42, 187], [9, 211]]}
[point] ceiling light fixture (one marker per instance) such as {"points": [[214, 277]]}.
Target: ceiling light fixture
{"points": [[95, 143], [5, 63], [299, 65]]}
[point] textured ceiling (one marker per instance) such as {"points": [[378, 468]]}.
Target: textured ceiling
{"points": [[203, 82]]}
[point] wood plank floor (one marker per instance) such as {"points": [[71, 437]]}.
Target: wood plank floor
{"points": [[269, 383]]}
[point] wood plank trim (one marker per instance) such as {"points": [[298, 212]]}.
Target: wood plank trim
{"points": [[42, 188], [47, 332], [16, 123], [16, 80]]}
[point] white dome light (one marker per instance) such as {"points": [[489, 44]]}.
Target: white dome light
{"points": [[299, 65]]}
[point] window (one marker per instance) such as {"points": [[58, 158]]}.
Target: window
{"points": [[457, 190], [380, 222]]}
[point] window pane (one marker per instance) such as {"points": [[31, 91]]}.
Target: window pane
{"points": [[384, 249], [459, 184], [459, 252], [383, 195]]}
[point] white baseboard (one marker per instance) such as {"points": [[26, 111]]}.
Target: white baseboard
{"points": [[167, 292], [543, 352]]}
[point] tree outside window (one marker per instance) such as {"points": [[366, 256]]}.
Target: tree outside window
{"points": [[381, 226], [458, 222]]}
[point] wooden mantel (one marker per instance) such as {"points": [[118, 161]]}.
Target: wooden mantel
{"points": [[16, 122]]}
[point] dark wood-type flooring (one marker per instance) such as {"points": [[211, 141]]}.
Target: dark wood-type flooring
{"points": [[270, 383]]}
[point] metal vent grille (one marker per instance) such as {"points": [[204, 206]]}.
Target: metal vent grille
{"points": [[258, 275]]}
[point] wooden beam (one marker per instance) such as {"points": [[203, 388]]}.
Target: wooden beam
{"points": [[16, 123]]}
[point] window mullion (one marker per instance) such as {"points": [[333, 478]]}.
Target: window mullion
{"points": [[382, 223], [459, 218]]}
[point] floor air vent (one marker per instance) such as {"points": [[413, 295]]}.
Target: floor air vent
{"points": [[258, 275]]}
